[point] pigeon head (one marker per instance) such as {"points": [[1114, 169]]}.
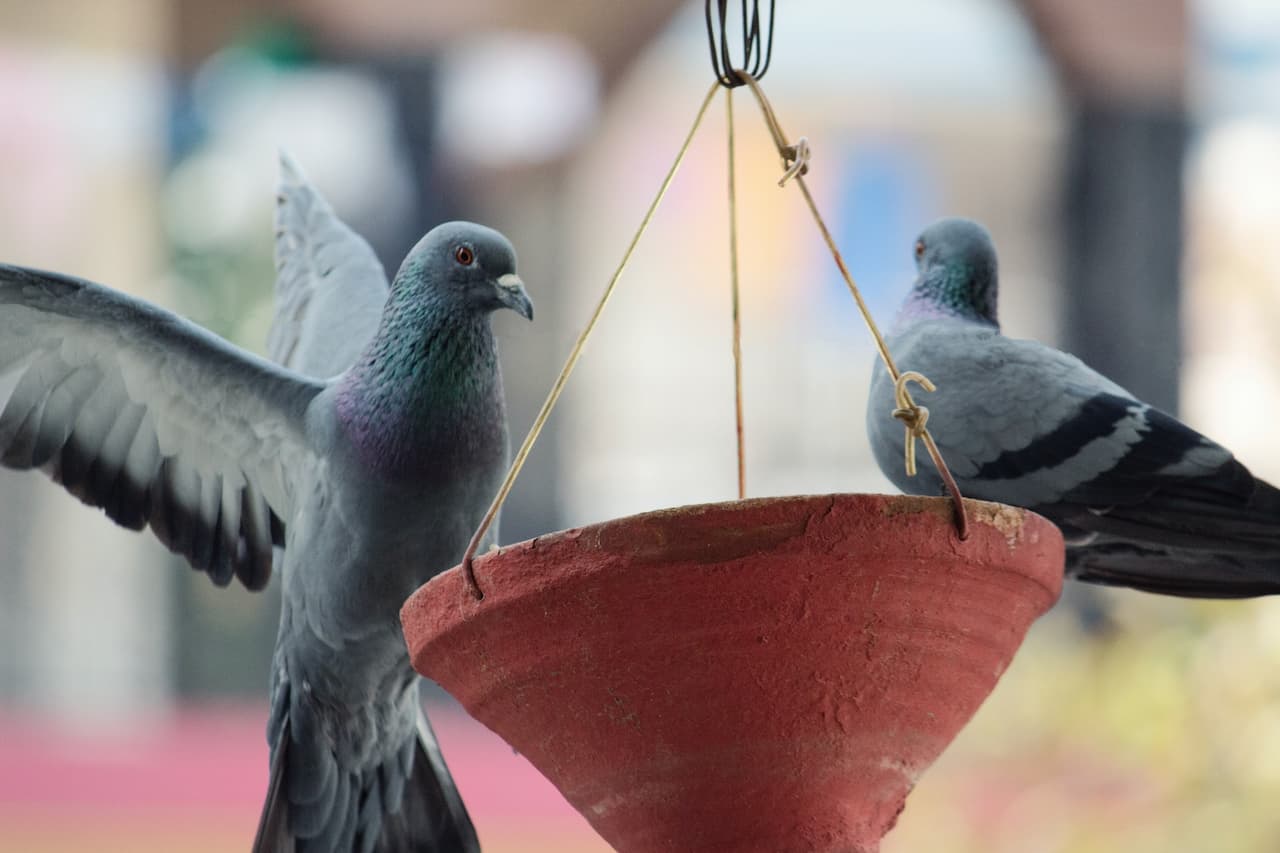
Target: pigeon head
{"points": [[426, 394], [956, 262], [465, 268]]}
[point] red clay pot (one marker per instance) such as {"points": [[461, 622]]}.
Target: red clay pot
{"points": [[763, 675]]}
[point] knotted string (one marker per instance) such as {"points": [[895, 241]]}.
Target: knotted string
{"points": [[733, 287], [795, 162], [913, 416], [468, 558]]}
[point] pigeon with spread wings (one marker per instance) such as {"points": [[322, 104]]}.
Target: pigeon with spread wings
{"points": [[362, 484]]}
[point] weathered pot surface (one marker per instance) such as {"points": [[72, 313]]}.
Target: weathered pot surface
{"points": [[762, 675]]}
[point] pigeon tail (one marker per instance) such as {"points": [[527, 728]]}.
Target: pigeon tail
{"points": [[432, 816], [1217, 537], [1174, 572], [407, 804]]}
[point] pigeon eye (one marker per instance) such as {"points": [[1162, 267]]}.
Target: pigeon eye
{"points": [[464, 256], [919, 249]]}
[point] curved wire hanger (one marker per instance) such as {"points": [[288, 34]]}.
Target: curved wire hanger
{"points": [[757, 41]]}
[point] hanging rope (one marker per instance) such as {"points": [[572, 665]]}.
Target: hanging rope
{"points": [[913, 416], [795, 161], [468, 570], [757, 53], [733, 285]]}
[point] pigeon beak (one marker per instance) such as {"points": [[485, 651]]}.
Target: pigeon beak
{"points": [[511, 294]]}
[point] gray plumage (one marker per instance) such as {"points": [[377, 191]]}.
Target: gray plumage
{"points": [[1144, 500], [330, 286], [370, 483]]}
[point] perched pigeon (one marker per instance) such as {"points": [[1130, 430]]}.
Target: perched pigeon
{"points": [[371, 481], [1144, 500]]}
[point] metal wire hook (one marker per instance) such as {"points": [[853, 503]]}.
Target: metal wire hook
{"points": [[757, 41]]}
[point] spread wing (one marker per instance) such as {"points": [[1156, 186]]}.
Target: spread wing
{"points": [[330, 287], [152, 418]]}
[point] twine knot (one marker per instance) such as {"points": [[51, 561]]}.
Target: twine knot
{"points": [[913, 416], [797, 159]]}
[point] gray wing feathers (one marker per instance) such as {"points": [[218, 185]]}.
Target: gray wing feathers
{"points": [[150, 417], [995, 396], [1144, 500], [330, 287]]}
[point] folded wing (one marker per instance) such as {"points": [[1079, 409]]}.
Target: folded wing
{"points": [[1145, 500]]}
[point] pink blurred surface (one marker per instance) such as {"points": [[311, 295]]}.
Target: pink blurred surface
{"points": [[194, 781]]}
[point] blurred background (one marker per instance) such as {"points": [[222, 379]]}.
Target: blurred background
{"points": [[1124, 153]]}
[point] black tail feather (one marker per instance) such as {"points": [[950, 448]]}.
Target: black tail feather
{"points": [[1172, 571], [1210, 537]]}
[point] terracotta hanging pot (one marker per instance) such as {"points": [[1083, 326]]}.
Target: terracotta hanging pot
{"points": [[762, 675]]}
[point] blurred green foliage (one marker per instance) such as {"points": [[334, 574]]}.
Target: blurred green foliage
{"points": [[223, 637], [1160, 734]]}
